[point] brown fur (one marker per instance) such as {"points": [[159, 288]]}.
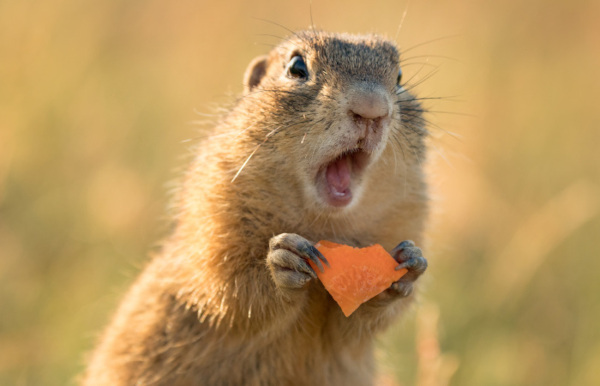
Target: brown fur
{"points": [[207, 309]]}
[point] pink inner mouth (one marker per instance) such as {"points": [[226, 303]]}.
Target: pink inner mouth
{"points": [[339, 174], [338, 180]]}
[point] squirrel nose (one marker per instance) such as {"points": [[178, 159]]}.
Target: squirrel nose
{"points": [[368, 106]]}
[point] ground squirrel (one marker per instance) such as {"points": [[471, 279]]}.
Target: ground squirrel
{"points": [[324, 144]]}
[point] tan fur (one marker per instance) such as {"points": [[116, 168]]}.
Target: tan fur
{"points": [[206, 310]]}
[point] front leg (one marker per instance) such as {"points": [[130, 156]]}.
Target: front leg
{"points": [[410, 257], [288, 261]]}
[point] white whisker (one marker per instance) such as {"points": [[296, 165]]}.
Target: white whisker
{"points": [[246, 162]]}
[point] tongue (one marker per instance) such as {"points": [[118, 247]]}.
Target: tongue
{"points": [[338, 176]]}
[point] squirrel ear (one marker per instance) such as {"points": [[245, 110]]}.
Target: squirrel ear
{"points": [[254, 73]]}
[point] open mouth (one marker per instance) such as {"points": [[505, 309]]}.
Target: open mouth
{"points": [[336, 179]]}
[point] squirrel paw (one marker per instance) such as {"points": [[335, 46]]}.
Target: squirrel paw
{"points": [[287, 260], [410, 257]]}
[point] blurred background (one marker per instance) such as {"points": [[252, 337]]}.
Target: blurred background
{"points": [[97, 108]]}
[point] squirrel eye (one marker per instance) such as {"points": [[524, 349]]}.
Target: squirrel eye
{"points": [[399, 79], [296, 68]]}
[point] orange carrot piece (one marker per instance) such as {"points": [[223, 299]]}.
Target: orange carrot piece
{"points": [[356, 275]]}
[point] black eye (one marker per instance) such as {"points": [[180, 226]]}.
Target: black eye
{"points": [[297, 69], [399, 79]]}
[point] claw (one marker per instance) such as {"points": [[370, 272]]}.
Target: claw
{"points": [[308, 269], [316, 260], [403, 245], [320, 255], [309, 251], [418, 264], [408, 264]]}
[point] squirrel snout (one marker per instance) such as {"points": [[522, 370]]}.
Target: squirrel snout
{"points": [[369, 107]]}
